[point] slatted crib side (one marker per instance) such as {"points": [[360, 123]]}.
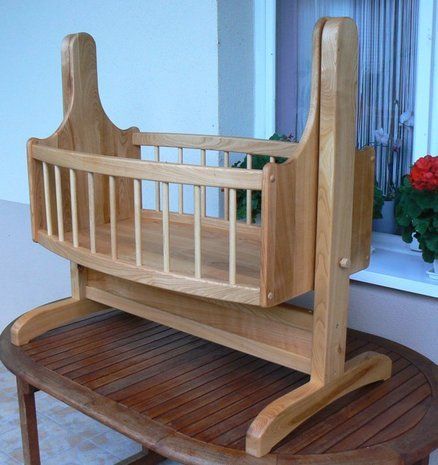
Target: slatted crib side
{"points": [[80, 248]]}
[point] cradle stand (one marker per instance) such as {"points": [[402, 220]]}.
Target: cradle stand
{"points": [[216, 278]]}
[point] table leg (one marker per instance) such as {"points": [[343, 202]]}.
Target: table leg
{"points": [[28, 422]]}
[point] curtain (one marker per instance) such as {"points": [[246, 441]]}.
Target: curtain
{"points": [[386, 83]]}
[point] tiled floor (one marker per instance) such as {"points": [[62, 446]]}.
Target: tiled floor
{"points": [[67, 437]]}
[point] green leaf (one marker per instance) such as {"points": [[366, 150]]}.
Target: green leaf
{"points": [[421, 224], [407, 236]]}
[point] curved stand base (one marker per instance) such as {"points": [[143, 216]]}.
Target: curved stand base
{"points": [[42, 319], [284, 414]]}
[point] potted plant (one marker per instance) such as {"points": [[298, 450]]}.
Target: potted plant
{"points": [[377, 202], [388, 146], [257, 164], [417, 207]]}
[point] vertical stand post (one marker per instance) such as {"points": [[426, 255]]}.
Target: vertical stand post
{"points": [[337, 140], [330, 376]]}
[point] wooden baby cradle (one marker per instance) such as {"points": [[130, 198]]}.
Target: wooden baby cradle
{"points": [[216, 278]]}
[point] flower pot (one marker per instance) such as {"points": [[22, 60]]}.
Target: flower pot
{"points": [[433, 273], [386, 224], [415, 245]]}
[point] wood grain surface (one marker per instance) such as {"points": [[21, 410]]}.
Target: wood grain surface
{"points": [[192, 400]]}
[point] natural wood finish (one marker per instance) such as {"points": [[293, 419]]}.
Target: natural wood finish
{"points": [[290, 327], [47, 199], [74, 207], [249, 193], [219, 143], [166, 234], [218, 279], [150, 170], [180, 186], [203, 190], [226, 193], [193, 326], [137, 221], [195, 408], [362, 209], [49, 316], [92, 212], [78, 276], [28, 423], [333, 242], [289, 207], [59, 203], [335, 197], [153, 276], [143, 458], [232, 237], [85, 128], [113, 217], [286, 413], [197, 230], [157, 184]]}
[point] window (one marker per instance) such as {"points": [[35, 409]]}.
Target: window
{"points": [[386, 81]]}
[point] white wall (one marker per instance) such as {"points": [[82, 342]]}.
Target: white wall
{"points": [[157, 63]]}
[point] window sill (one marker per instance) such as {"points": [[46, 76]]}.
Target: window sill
{"points": [[393, 264]]}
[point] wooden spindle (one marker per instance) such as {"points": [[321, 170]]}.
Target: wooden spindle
{"points": [[249, 193], [166, 238], [203, 188], [157, 183], [137, 220], [180, 186], [92, 211], [59, 209], [47, 198], [113, 216], [232, 238], [197, 220], [226, 191], [74, 208]]}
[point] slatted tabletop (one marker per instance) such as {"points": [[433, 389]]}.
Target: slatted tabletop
{"points": [[192, 400]]}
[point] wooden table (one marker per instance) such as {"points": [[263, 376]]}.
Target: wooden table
{"points": [[190, 400]]}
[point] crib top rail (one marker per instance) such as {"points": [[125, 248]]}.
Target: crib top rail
{"points": [[154, 171], [220, 143]]}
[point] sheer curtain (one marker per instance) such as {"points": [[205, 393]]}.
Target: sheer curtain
{"points": [[386, 85]]}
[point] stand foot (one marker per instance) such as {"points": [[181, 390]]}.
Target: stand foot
{"points": [[50, 316], [283, 415]]}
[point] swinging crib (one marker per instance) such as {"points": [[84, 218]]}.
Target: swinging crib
{"points": [[217, 278]]}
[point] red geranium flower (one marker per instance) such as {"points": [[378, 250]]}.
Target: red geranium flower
{"points": [[424, 174]]}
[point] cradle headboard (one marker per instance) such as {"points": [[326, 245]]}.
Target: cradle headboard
{"points": [[85, 128]]}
